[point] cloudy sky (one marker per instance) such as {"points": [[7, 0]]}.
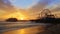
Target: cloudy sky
{"points": [[27, 3], [32, 6], [23, 3]]}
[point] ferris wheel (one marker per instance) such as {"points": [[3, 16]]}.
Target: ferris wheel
{"points": [[46, 13]]}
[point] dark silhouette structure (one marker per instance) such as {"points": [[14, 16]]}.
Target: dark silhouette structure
{"points": [[11, 20], [48, 18]]}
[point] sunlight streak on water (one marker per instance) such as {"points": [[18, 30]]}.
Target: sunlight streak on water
{"points": [[22, 28], [32, 30]]}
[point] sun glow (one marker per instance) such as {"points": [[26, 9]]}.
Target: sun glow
{"points": [[22, 18], [19, 16]]}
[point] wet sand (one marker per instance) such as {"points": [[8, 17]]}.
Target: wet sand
{"points": [[31, 30], [42, 29]]}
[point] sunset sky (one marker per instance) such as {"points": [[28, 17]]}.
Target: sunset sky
{"points": [[23, 3], [26, 9], [28, 3]]}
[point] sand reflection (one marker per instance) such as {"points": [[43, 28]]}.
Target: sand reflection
{"points": [[31, 30]]}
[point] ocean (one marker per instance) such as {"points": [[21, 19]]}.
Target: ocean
{"points": [[27, 28]]}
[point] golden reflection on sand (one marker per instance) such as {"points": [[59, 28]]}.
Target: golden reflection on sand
{"points": [[31, 30]]}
